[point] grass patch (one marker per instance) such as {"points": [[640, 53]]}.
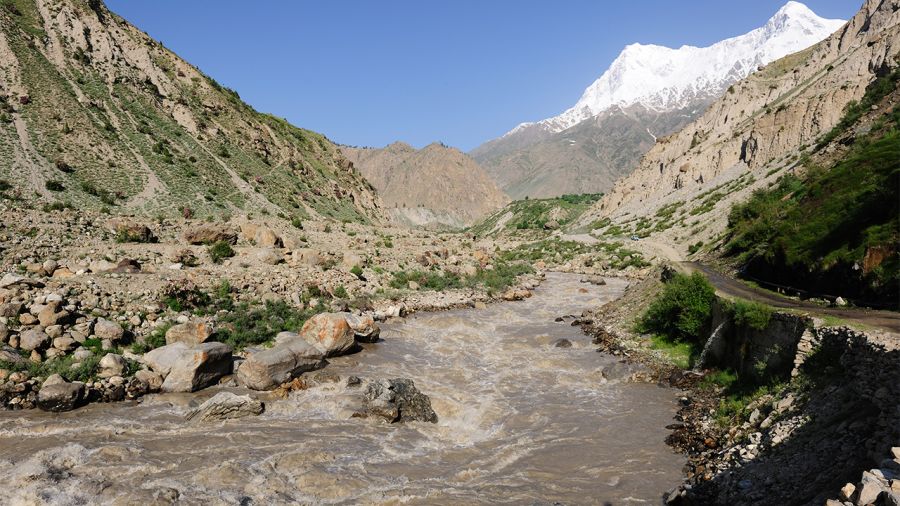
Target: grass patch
{"points": [[680, 353], [250, 324]]}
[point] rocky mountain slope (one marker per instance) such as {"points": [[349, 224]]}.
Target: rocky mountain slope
{"points": [[436, 185], [762, 122], [793, 172], [96, 114], [649, 91]]}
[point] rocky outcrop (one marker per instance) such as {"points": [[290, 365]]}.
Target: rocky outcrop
{"points": [[170, 138], [396, 401], [210, 234], [225, 406]]}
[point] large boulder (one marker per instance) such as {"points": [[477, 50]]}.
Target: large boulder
{"points": [[105, 329], [161, 359], [265, 237], [58, 397], [111, 365], [270, 256], [329, 332], [307, 256], [198, 367], [190, 333], [364, 328], [210, 233], [11, 309], [397, 401], [129, 231], [51, 315], [225, 406], [33, 339], [4, 332], [267, 369]]}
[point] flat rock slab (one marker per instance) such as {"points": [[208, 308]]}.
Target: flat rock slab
{"points": [[225, 406]]}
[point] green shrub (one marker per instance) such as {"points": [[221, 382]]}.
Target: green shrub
{"points": [[54, 186], [682, 312], [156, 339], [341, 292], [219, 251], [750, 314], [357, 271]]}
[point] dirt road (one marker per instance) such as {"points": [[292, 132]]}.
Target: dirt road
{"points": [[886, 320]]}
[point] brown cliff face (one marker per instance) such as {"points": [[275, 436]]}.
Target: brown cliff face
{"points": [[761, 121], [97, 114], [431, 186]]}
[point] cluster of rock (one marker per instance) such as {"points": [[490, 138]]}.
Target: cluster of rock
{"points": [[879, 486], [322, 336]]}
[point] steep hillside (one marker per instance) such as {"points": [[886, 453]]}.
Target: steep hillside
{"points": [[97, 114], [436, 185], [779, 122], [536, 214], [648, 92]]}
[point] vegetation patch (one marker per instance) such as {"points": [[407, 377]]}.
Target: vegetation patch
{"points": [[220, 251], [834, 230]]}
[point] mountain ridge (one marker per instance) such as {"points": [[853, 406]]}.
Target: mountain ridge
{"points": [[639, 83], [434, 186]]}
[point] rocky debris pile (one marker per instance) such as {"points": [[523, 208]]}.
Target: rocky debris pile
{"points": [[394, 400], [324, 335], [225, 406], [879, 486], [805, 439]]}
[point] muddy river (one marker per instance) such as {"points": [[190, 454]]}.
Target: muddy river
{"points": [[521, 421]]}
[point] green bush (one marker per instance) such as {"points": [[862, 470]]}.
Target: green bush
{"points": [[156, 339], [357, 271], [751, 314], [252, 324], [54, 186], [682, 312], [427, 280], [219, 251]]}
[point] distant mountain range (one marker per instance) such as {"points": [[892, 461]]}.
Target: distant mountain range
{"points": [[649, 91], [434, 186]]}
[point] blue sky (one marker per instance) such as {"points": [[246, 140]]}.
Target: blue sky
{"points": [[461, 72]]}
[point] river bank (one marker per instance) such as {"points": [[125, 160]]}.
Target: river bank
{"points": [[822, 413]]}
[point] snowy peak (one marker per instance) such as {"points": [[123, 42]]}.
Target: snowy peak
{"points": [[665, 79]]}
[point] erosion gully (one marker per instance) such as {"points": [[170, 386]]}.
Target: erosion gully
{"points": [[521, 421]]}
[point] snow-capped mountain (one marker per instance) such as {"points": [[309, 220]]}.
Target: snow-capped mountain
{"points": [[664, 79]]}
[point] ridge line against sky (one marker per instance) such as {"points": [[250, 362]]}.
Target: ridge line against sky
{"points": [[462, 72]]}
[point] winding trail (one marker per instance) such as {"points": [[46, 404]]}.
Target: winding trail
{"points": [[725, 285], [885, 320]]}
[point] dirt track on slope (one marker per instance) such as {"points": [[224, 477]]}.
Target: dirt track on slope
{"points": [[886, 320]]}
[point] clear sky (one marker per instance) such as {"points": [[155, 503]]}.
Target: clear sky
{"points": [[462, 72]]}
